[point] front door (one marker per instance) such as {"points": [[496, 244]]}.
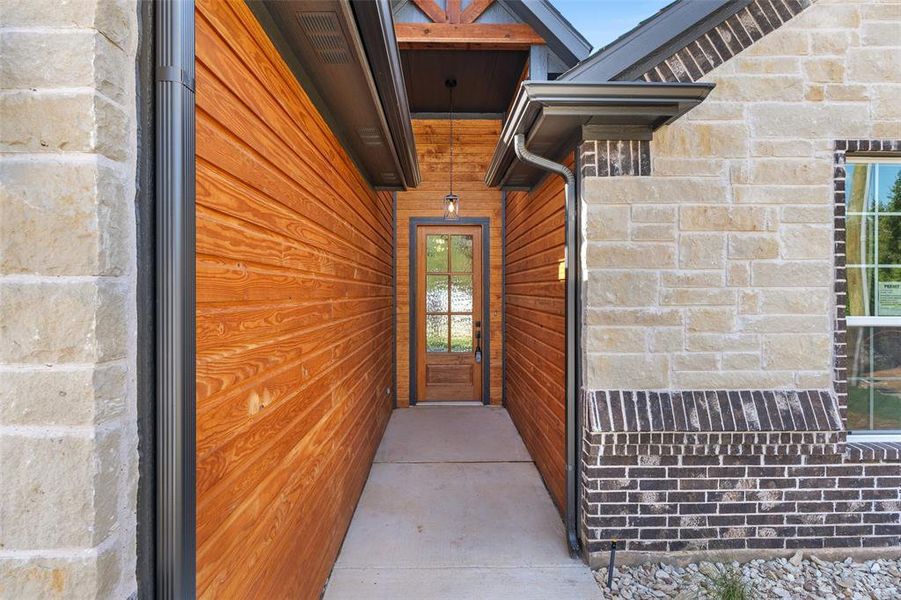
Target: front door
{"points": [[449, 313]]}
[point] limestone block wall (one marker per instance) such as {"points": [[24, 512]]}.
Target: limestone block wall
{"points": [[68, 441], [714, 363], [716, 271]]}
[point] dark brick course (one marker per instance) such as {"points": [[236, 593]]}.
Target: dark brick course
{"points": [[724, 40], [613, 158], [671, 489]]}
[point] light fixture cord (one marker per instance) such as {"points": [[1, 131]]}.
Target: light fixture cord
{"points": [[451, 90]]}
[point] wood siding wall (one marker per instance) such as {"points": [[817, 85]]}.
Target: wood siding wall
{"points": [[536, 326], [474, 142], [294, 321]]}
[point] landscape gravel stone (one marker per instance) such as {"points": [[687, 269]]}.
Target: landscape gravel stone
{"points": [[800, 577]]}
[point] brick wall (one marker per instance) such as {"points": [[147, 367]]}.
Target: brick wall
{"points": [[732, 470], [68, 442], [717, 273]]}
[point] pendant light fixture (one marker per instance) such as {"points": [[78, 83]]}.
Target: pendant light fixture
{"points": [[451, 201]]}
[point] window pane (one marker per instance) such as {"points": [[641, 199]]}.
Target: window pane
{"points": [[874, 352], [461, 293], [859, 339], [861, 292], [858, 405], [887, 404], [889, 240], [859, 188], [889, 193], [888, 293], [860, 238], [886, 349], [461, 253], [461, 333], [436, 293], [436, 333], [436, 253]]}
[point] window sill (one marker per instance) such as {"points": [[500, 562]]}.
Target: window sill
{"points": [[874, 437], [860, 448]]}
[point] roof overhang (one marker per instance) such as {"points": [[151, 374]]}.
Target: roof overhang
{"points": [[376, 27], [653, 40], [347, 60], [558, 33], [552, 116]]}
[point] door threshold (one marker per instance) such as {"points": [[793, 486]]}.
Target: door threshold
{"points": [[440, 403]]}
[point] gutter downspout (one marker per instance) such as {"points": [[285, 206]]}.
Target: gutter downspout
{"points": [[175, 297], [571, 261]]}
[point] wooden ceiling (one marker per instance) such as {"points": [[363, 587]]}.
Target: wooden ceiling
{"points": [[479, 44]]}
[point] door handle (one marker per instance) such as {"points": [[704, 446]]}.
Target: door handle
{"points": [[478, 343]]}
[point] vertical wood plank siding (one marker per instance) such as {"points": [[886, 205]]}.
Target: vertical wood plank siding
{"points": [[536, 325], [474, 142], [294, 321]]}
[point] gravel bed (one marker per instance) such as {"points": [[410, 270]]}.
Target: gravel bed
{"points": [[798, 577]]}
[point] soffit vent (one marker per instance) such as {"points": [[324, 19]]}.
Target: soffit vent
{"points": [[324, 33], [370, 136], [389, 177]]}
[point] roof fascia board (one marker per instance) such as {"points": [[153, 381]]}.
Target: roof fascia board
{"points": [[668, 101], [659, 37], [558, 33], [376, 28]]}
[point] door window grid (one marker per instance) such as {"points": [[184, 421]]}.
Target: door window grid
{"points": [[449, 293]]}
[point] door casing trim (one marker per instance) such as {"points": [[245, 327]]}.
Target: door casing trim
{"points": [[485, 224]]}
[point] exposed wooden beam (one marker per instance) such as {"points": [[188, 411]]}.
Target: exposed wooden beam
{"points": [[517, 36], [431, 10], [475, 10], [453, 11]]}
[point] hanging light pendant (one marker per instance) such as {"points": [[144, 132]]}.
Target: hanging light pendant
{"points": [[451, 200]]}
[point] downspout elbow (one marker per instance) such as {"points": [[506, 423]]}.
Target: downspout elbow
{"points": [[529, 157]]}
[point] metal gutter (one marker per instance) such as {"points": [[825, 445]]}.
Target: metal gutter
{"points": [[561, 108], [559, 34], [571, 261], [654, 39], [376, 28], [175, 346]]}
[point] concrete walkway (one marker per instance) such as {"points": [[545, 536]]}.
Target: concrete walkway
{"points": [[454, 508]]}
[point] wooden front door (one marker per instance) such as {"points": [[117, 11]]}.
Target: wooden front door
{"points": [[449, 313]]}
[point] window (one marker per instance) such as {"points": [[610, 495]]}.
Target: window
{"points": [[448, 293], [873, 259]]}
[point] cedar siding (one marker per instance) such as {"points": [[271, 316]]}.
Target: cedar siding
{"points": [[294, 320], [535, 298]]}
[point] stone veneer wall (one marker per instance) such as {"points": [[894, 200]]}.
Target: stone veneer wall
{"points": [[711, 284], [68, 441]]}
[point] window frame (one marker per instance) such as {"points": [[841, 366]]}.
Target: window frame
{"points": [[852, 158]]}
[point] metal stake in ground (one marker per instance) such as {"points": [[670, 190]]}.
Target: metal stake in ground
{"points": [[612, 563]]}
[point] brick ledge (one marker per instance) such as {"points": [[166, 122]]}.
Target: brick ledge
{"points": [[713, 411]]}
